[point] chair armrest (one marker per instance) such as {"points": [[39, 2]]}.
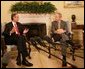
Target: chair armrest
{"points": [[2, 36]]}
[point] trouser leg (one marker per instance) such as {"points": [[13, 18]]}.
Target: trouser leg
{"points": [[63, 50], [21, 46], [49, 40], [19, 56]]}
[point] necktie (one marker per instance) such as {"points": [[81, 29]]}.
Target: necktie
{"points": [[58, 25], [16, 28]]}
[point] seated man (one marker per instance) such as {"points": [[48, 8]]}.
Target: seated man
{"points": [[60, 33], [13, 34]]}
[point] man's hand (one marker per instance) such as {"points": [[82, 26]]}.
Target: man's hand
{"points": [[12, 31], [25, 31], [60, 31]]}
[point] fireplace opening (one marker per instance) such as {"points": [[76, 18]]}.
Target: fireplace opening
{"points": [[36, 29]]}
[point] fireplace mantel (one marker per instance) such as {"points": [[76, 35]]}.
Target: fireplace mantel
{"points": [[31, 18]]}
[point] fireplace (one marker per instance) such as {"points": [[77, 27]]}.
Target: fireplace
{"points": [[35, 29], [38, 20]]}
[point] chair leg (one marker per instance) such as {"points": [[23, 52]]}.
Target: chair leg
{"points": [[29, 52], [4, 65], [73, 55], [49, 49], [3, 46]]}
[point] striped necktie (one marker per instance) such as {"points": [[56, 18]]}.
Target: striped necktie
{"points": [[16, 28]]}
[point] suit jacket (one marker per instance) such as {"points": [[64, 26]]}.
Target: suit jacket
{"points": [[8, 28], [63, 25]]}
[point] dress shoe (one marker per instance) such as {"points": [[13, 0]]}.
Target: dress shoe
{"points": [[26, 63], [64, 61], [18, 61]]}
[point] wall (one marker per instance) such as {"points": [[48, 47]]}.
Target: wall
{"points": [[67, 12], [5, 13]]}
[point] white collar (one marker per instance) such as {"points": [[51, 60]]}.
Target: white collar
{"points": [[59, 21], [13, 23]]}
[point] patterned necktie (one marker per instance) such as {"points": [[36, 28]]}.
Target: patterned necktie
{"points": [[16, 28]]}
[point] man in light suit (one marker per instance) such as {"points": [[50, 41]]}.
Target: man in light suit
{"points": [[60, 32]]}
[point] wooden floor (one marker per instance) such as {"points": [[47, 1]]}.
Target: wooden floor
{"points": [[41, 60], [38, 60]]}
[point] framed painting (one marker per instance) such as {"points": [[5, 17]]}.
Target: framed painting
{"points": [[73, 4]]}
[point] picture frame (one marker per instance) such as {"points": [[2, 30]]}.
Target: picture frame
{"points": [[73, 4]]}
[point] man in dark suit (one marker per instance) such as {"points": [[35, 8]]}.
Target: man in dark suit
{"points": [[13, 34]]}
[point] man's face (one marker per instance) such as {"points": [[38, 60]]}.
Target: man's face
{"points": [[16, 18], [58, 17]]}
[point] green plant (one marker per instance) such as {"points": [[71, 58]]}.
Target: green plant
{"points": [[33, 7], [17, 7]]}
